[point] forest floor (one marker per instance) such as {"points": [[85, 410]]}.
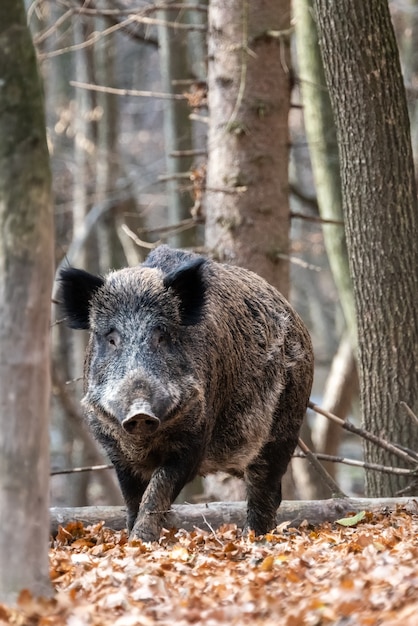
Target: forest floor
{"points": [[361, 572]]}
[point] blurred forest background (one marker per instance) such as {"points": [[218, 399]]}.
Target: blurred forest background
{"points": [[132, 167]]}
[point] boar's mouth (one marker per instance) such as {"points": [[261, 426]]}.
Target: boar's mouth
{"points": [[141, 420]]}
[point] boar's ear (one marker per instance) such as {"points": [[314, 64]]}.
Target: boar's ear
{"points": [[188, 283], [77, 288]]}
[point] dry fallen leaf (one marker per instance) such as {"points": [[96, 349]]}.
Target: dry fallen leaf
{"points": [[353, 520], [361, 575]]}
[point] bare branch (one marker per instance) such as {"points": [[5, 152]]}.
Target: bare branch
{"points": [[314, 218], [90, 41], [40, 38], [128, 92], [335, 490], [409, 412], [186, 223], [365, 434], [190, 516], [300, 262], [139, 242], [355, 463], [179, 6], [152, 21], [75, 470], [182, 153]]}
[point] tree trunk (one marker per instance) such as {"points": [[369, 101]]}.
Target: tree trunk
{"points": [[26, 272], [110, 250], [365, 83], [174, 66], [82, 173], [247, 210], [323, 149]]}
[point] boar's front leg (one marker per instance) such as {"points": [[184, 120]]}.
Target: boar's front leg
{"points": [[133, 489], [163, 488]]}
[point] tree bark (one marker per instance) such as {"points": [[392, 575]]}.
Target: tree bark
{"points": [[82, 200], [213, 514], [174, 65], [108, 170], [323, 149], [26, 273], [247, 210], [365, 83]]}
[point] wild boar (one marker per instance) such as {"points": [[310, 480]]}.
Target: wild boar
{"points": [[192, 367]]}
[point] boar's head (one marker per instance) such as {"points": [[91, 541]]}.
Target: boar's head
{"points": [[138, 368]]}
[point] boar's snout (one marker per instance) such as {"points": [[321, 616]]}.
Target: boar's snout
{"points": [[140, 420]]}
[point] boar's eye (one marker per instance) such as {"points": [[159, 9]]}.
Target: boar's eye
{"points": [[159, 336], [113, 339]]}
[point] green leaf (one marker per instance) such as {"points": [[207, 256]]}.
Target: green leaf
{"points": [[353, 520]]}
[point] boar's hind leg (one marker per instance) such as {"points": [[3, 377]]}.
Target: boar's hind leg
{"points": [[264, 488]]}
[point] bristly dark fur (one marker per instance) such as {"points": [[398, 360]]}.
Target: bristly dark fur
{"points": [[188, 283], [192, 367], [77, 288]]}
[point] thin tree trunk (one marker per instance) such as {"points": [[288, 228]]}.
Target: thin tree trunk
{"points": [[380, 202], [174, 66], [323, 149], [340, 389], [83, 144], [110, 250], [26, 273]]}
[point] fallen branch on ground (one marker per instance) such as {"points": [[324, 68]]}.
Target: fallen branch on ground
{"points": [[215, 514]]}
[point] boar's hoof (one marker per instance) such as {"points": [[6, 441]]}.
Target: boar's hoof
{"points": [[140, 420]]}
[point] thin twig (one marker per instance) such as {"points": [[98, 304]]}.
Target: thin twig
{"points": [[322, 472], [365, 434], [409, 412], [153, 21], [178, 176], [93, 39], [297, 261], [212, 530], [127, 92], [182, 153], [180, 6], [189, 222], [228, 190], [38, 39], [314, 218], [139, 242], [75, 470], [385, 469]]}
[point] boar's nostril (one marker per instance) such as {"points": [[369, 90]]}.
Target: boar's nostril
{"points": [[141, 424], [140, 420]]}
